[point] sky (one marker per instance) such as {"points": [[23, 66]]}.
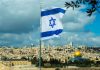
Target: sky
{"points": [[20, 24]]}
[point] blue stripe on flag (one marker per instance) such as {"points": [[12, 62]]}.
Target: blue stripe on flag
{"points": [[52, 11], [51, 33]]}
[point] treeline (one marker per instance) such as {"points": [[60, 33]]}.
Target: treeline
{"points": [[57, 63]]}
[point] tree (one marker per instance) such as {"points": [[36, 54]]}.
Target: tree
{"points": [[24, 58], [92, 5], [34, 60], [42, 63], [4, 58]]}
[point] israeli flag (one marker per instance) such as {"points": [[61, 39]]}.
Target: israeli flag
{"points": [[50, 22]]}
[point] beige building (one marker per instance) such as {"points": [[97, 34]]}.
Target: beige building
{"points": [[15, 62], [7, 65]]}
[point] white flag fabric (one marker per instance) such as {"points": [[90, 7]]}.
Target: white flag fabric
{"points": [[50, 23]]}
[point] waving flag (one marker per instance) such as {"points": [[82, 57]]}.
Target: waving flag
{"points": [[50, 22]]}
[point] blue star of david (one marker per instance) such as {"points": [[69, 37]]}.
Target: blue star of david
{"points": [[52, 22]]}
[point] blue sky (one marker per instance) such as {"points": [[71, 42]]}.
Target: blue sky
{"points": [[95, 26], [19, 24]]}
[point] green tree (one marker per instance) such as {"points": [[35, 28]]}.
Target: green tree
{"points": [[92, 5], [4, 58], [34, 60]]}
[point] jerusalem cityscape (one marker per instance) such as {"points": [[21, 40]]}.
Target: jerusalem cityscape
{"points": [[68, 56]]}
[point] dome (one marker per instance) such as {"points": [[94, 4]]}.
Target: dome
{"points": [[77, 53]]}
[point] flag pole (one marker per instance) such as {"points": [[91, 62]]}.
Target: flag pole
{"points": [[40, 56], [40, 39]]}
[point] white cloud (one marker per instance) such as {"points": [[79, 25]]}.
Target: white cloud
{"points": [[19, 16], [96, 39], [75, 20], [19, 39], [81, 38]]}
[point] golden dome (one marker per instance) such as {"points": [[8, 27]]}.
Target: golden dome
{"points": [[77, 53]]}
